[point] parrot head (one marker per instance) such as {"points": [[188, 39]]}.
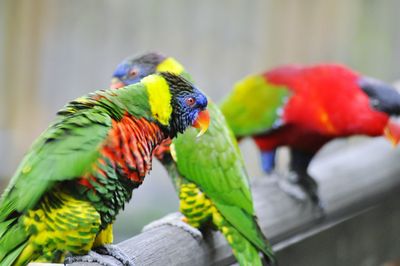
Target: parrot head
{"points": [[386, 99], [133, 69], [188, 104]]}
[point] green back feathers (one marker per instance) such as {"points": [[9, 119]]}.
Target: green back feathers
{"points": [[253, 105], [214, 163], [132, 99]]}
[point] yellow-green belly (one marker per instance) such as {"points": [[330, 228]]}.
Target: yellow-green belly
{"points": [[194, 205], [59, 225]]}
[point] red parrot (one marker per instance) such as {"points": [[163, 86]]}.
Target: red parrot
{"points": [[304, 107]]}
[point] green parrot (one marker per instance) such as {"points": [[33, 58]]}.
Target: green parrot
{"points": [[208, 172], [79, 173]]}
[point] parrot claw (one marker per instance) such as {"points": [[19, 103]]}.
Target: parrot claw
{"points": [[107, 255], [320, 210], [175, 219], [302, 188], [184, 219], [293, 190], [117, 253]]}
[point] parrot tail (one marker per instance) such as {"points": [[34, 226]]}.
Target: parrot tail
{"points": [[267, 252], [245, 252]]}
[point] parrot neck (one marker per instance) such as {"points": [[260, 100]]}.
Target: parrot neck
{"points": [[145, 105]]}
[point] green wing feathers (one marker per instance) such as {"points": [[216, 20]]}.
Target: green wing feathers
{"points": [[64, 151], [253, 105], [12, 241]]}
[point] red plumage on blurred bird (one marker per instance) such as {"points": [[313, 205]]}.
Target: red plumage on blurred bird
{"points": [[305, 107]]}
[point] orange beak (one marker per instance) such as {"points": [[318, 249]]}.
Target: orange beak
{"points": [[116, 83], [392, 132], [202, 122]]}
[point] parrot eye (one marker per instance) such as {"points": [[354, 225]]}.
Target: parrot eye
{"points": [[133, 72], [190, 101]]}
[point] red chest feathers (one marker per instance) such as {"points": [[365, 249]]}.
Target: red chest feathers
{"points": [[130, 145]]}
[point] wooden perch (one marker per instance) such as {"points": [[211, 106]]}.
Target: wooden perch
{"points": [[351, 180]]}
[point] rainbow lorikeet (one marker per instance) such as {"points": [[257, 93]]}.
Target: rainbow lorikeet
{"points": [[79, 173], [304, 108], [208, 172]]}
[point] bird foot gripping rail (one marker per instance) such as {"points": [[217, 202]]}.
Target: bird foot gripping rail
{"points": [[360, 187]]}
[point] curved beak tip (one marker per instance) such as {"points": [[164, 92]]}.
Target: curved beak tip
{"points": [[392, 133], [116, 83], [202, 122], [394, 142]]}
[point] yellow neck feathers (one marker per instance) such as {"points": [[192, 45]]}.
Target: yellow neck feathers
{"points": [[170, 65], [159, 98], [158, 90]]}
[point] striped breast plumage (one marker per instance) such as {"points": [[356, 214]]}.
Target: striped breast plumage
{"points": [[130, 145], [125, 159]]}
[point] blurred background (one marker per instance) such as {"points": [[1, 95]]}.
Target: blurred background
{"points": [[54, 51]]}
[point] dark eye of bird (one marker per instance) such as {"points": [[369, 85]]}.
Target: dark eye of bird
{"points": [[190, 101], [133, 72]]}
